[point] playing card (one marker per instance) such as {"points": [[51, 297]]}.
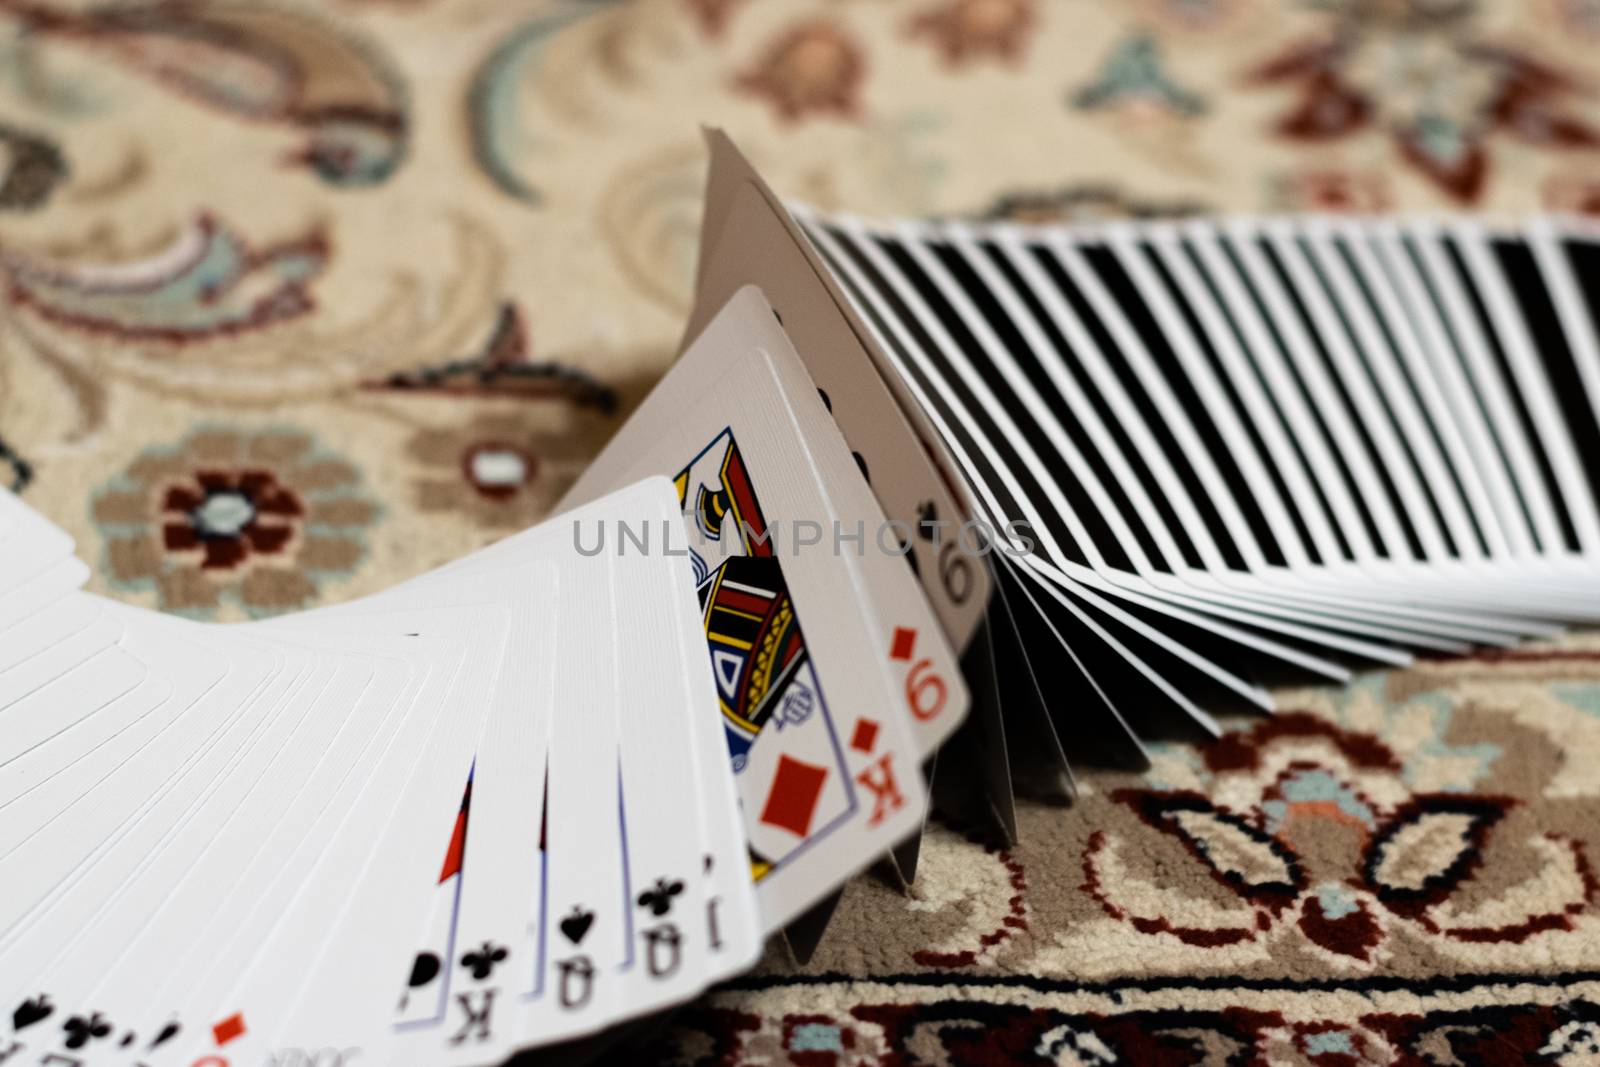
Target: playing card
{"points": [[271, 962], [29, 544], [33, 595], [1523, 377], [1567, 252], [819, 728], [1191, 457], [748, 238], [49, 626], [73, 935], [908, 334], [1015, 458], [1186, 322], [496, 998]]}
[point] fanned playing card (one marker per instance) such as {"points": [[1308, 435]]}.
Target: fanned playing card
{"points": [[486, 810], [834, 677], [1213, 456], [1244, 453]]}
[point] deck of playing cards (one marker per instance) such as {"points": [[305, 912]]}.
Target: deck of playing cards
{"points": [[567, 781], [1148, 469], [1097, 482], [486, 809]]}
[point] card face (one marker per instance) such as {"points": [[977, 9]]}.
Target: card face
{"points": [[211, 836], [709, 928], [757, 244], [425, 997], [788, 745], [35, 594], [486, 891], [729, 922], [818, 715], [315, 960], [783, 738], [587, 936], [28, 545]]}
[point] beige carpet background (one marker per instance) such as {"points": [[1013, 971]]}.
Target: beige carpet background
{"points": [[390, 270]]}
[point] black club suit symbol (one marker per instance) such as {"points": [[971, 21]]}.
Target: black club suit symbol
{"points": [[81, 1031], [658, 898], [481, 961]]}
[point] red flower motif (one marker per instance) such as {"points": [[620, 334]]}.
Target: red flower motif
{"points": [[228, 514], [253, 518], [813, 68], [1419, 77]]}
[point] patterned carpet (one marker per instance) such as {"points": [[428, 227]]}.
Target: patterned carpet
{"points": [[394, 268]]}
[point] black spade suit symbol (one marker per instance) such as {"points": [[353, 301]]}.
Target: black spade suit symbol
{"points": [[424, 969], [576, 925], [36, 1009]]}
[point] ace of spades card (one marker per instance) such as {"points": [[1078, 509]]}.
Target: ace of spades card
{"points": [[822, 651]]}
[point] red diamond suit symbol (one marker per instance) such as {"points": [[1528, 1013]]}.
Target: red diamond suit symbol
{"points": [[792, 799]]}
